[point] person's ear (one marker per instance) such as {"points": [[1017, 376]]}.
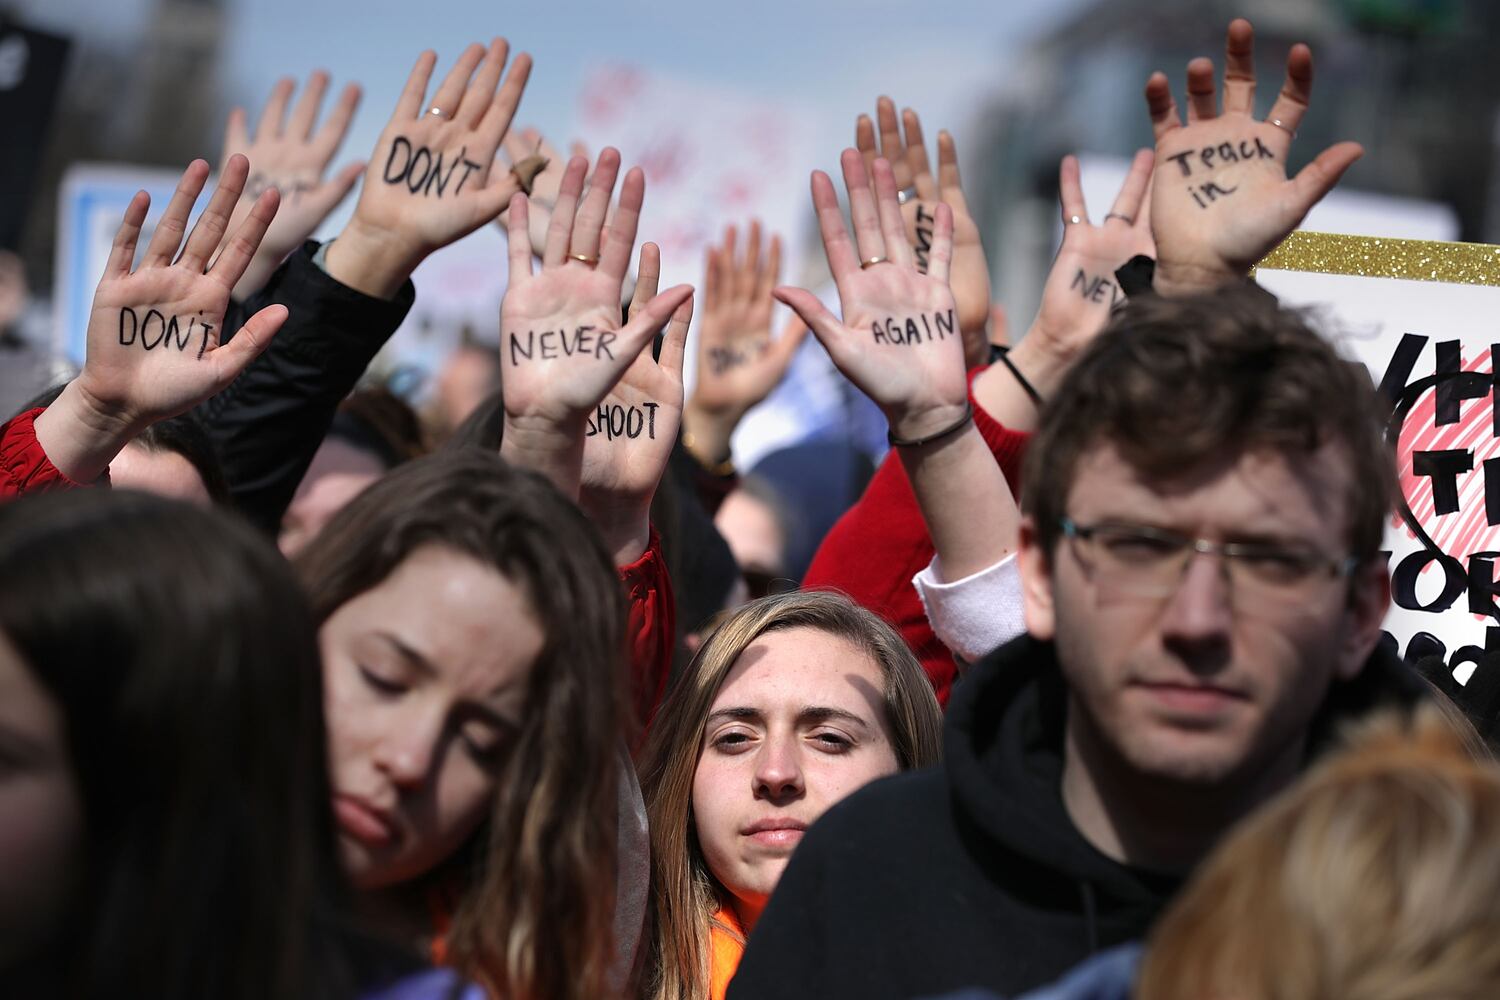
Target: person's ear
{"points": [[1369, 601], [1035, 565]]}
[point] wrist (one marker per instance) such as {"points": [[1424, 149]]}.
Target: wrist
{"points": [[374, 262], [706, 435], [623, 521], [1043, 359], [914, 423], [1179, 278], [80, 433]]}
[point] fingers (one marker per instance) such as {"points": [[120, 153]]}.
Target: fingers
{"points": [[890, 140], [236, 134], [450, 92], [270, 124], [1203, 95], [674, 341], [502, 108], [209, 230], [173, 222], [843, 259], [862, 211], [595, 204], [1132, 196], [940, 257], [746, 267], [647, 279], [518, 237], [1296, 92], [824, 325], [1239, 68], [950, 187], [1161, 106], [892, 227], [619, 239], [710, 279], [305, 114], [122, 252], [240, 250], [336, 126], [1070, 194], [768, 276], [254, 337], [560, 227], [1318, 178], [476, 98], [410, 103], [653, 316], [916, 157], [864, 140]]}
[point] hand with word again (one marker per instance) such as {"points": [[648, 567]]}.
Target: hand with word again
{"points": [[291, 154], [432, 177], [907, 155], [154, 333], [738, 361], [628, 439], [1222, 199], [899, 341], [531, 145], [562, 344]]}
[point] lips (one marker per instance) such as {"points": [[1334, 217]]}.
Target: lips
{"points": [[1191, 699], [776, 832], [363, 821]]}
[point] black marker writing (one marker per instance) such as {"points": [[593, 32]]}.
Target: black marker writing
{"points": [[723, 359], [1223, 153], [155, 330], [933, 326], [924, 237], [422, 170], [292, 189], [583, 341], [1094, 289], [614, 420], [1210, 191]]}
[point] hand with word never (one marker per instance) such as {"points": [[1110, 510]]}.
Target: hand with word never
{"points": [[529, 149], [291, 157], [629, 437], [899, 340], [921, 194], [431, 179], [562, 344], [738, 361], [154, 333], [1222, 199]]}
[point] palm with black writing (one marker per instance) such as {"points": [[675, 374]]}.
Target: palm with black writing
{"points": [[904, 147], [1222, 199], [899, 340], [154, 333], [291, 156]]}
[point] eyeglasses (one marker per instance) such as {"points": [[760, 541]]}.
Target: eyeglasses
{"points": [[1144, 561]]}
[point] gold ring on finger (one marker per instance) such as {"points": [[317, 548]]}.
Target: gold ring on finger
{"points": [[1283, 126], [583, 258], [873, 261]]}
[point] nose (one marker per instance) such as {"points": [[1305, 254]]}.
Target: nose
{"points": [[408, 748], [1197, 622], [778, 770]]}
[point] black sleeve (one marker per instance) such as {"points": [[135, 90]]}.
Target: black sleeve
{"points": [[269, 422]]}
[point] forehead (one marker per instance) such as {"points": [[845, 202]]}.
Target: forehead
{"points": [[800, 667], [1253, 491]]}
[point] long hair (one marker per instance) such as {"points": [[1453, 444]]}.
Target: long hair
{"points": [[686, 894], [185, 663], [534, 918], [1376, 877]]}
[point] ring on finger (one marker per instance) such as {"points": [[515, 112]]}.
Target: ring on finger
{"points": [[1121, 216], [871, 262], [907, 194], [1075, 220], [1283, 126], [437, 112], [583, 258]]}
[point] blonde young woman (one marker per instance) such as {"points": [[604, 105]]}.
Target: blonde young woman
{"points": [[794, 702]]}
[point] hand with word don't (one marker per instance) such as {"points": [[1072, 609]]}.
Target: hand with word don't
{"points": [[431, 179], [1221, 199], [904, 147], [563, 346], [899, 340], [154, 333]]}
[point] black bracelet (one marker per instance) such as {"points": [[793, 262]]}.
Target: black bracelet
{"points": [[1004, 358], [953, 428]]}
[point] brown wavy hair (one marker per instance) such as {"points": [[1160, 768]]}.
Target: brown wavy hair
{"points": [[685, 893], [536, 897]]}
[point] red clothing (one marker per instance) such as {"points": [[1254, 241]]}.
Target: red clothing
{"points": [[882, 542], [650, 628], [24, 467]]}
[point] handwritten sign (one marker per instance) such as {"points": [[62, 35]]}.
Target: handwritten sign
{"points": [[1421, 316]]}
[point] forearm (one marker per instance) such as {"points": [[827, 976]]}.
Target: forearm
{"points": [[706, 435], [377, 264], [78, 437], [625, 526], [965, 501], [541, 446], [1000, 392]]}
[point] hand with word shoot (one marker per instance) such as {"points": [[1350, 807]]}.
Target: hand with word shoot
{"points": [[431, 179], [154, 333], [291, 157], [1222, 199], [920, 195], [562, 344], [738, 361], [629, 437]]}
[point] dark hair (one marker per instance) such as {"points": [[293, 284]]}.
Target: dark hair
{"points": [[378, 421], [1176, 383], [536, 915], [185, 663]]}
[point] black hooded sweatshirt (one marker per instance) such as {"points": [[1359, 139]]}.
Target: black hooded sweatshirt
{"points": [[972, 873]]}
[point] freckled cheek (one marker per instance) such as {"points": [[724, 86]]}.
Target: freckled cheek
{"points": [[353, 724], [836, 778], [722, 796]]}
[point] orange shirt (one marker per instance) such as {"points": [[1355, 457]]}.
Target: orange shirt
{"points": [[726, 940]]}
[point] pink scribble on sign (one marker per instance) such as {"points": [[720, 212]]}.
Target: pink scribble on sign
{"points": [[609, 92]]}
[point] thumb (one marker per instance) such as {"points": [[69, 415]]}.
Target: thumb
{"points": [[784, 348], [814, 313], [1318, 178], [232, 358], [326, 196], [495, 198]]}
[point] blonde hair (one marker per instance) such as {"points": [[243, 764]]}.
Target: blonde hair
{"points": [[1377, 877], [685, 894]]}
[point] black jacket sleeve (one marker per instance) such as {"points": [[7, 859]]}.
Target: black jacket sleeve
{"points": [[269, 422]]}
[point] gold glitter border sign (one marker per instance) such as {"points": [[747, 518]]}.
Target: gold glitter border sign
{"points": [[1380, 257]]}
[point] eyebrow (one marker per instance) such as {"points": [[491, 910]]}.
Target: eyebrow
{"points": [[480, 707], [808, 715], [408, 653]]}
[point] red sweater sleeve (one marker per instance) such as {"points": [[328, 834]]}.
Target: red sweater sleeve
{"points": [[24, 467], [882, 542], [651, 628]]}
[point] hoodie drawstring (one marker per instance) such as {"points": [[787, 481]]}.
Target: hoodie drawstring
{"points": [[1090, 916]]}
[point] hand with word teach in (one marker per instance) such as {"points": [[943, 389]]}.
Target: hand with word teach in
{"points": [[920, 193], [529, 153], [154, 333], [1222, 199], [563, 345], [899, 340], [629, 437], [432, 177], [738, 361], [291, 154]]}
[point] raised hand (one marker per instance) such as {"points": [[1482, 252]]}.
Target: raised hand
{"points": [[154, 333], [738, 361], [562, 344], [292, 155], [432, 177], [899, 340], [1222, 199], [904, 148], [522, 146]]}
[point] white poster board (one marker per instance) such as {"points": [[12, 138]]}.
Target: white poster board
{"points": [[1422, 318]]}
